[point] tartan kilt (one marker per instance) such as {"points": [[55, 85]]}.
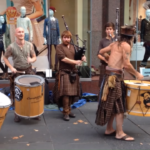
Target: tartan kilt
{"points": [[114, 104], [102, 73], [66, 89]]}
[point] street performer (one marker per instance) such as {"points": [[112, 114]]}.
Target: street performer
{"points": [[67, 80], [20, 51], [112, 92]]}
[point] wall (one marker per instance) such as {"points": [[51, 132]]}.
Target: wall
{"points": [[96, 11], [113, 4], [3, 5]]}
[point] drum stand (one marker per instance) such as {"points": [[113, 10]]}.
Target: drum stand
{"points": [[139, 103]]}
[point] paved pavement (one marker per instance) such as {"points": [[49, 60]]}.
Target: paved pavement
{"points": [[80, 133]]}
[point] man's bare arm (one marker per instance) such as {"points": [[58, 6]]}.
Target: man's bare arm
{"points": [[9, 65], [102, 58], [106, 49], [71, 61], [126, 62], [7, 62]]}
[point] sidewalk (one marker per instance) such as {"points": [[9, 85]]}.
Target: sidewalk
{"points": [[80, 133]]}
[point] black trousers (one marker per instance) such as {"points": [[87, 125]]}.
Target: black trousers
{"points": [[146, 55]]}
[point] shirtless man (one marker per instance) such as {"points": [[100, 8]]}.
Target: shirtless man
{"points": [[112, 95]]}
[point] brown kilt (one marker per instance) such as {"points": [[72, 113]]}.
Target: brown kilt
{"points": [[102, 73], [114, 104], [63, 87]]}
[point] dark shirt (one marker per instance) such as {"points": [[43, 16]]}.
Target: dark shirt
{"points": [[63, 51], [2, 31], [104, 43], [145, 31]]}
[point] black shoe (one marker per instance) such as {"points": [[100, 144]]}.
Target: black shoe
{"points": [[66, 117], [37, 118], [17, 118], [72, 115]]}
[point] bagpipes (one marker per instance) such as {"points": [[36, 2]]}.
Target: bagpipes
{"points": [[117, 24], [79, 51]]}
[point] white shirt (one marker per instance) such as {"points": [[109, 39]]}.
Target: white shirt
{"points": [[25, 23]]}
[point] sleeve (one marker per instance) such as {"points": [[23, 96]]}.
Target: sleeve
{"points": [[44, 30], [17, 22], [100, 46], [30, 28], [142, 30], [57, 24], [60, 53], [7, 37], [8, 52]]}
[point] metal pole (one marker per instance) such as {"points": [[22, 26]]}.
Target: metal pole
{"points": [[136, 31]]}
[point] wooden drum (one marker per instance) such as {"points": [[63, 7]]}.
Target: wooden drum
{"points": [[5, 103], [138, 97], [29, 96]]}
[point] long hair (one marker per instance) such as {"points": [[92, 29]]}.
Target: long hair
{"points": [[125, 38]]}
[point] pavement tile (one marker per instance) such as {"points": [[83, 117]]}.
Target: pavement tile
{"points": [[83, 146], [15, 134], [73, 133], [139, 120], [10, 120], [53, 133], [54, 117], [27, 146]]}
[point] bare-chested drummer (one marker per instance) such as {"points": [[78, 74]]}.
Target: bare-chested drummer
{"points": [[112, 95], [20, 51]]}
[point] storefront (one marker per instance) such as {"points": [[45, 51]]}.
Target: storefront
{"points": [[77, 15], [87, 19], [137, 13]]}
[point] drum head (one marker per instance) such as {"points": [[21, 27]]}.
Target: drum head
{"points": [[29, 80], [4, 101], [139, 84]]}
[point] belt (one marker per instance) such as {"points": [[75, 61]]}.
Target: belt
{"points": [[109, 72], [118, 73], [53, 29], [24, 69]]}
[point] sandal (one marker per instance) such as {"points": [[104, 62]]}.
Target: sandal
{"points": [[125, 138], [111, 134]]}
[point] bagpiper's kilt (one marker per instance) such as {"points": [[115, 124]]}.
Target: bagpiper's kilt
{"points": [[63, 87]]}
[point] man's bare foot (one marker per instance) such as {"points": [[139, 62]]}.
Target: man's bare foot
{"points": [[125, 137]]}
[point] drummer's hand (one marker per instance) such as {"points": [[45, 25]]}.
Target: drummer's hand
{"points": [[13, 70], [140, 76], [84, 58]]}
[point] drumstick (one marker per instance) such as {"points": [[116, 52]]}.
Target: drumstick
{"points": [[23, 72]]}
